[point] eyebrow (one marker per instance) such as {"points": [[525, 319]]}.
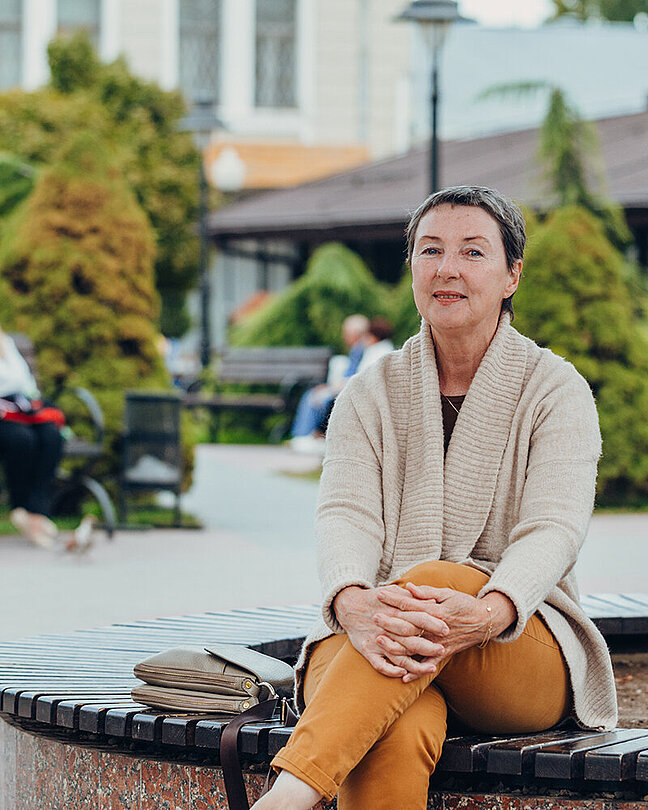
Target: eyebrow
{"points": [[466, 239]]}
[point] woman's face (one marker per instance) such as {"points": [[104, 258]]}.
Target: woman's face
{"points": [[459, 272]]}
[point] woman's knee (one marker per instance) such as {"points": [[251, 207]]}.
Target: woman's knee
{"points": [[319, 661], [445, 574]]}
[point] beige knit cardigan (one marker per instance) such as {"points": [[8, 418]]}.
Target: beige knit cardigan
{"points": [[513, 497]]}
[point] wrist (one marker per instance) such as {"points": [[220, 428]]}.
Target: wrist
{"points": [[343, 601], [502, 614]]}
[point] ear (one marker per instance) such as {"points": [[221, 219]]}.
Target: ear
{"points": [[514, 278]]}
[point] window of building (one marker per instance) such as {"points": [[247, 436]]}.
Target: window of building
{"points": [[79, 15], [276, 53], [200, 33], [10, 42]]}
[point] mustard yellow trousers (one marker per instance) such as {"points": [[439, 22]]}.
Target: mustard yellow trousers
{"points": [[375, 740]]}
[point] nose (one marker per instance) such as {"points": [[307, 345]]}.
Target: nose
{"points": [[448, 267]]}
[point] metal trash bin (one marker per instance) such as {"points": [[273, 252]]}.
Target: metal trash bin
{"points": [[151, 452]]}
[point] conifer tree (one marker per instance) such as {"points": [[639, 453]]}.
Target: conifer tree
{"points": [[579, 298], [77, 277], [137, 121]]}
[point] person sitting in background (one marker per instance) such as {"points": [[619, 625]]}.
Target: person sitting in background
{"points": [[316, 403], [377, 343], [30, 446]]}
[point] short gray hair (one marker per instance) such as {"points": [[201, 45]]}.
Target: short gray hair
{"points": [[505, 212]]}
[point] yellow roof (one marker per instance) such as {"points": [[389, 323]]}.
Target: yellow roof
{"points": [[281, 164]]}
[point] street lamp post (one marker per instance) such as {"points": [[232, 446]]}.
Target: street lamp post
{"points": [[201, 122], [434, 18]]}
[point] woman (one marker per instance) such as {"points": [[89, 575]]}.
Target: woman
{"points": [[481, 616], [30, 446]]}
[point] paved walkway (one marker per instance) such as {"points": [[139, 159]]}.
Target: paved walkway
{"points": [[256, 549]]}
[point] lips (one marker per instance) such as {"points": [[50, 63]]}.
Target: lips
{"points": [[444, 295]]}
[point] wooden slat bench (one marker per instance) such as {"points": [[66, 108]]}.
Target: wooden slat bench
{"points": [[288, 369], [80, 683]]}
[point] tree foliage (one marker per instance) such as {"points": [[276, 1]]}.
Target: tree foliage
{"points": [[136, 121], [16, 183], [579, 298], [568, 151], [310, 311], [403, 312], [77, 277], [613, 10]]}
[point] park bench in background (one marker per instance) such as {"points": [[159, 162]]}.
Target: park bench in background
{"points": [[67, 698], [286, 369], [85, 452]]}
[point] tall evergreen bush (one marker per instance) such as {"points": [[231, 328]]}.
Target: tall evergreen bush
{"points": [[137, 122], [580, 298], [77, 277]]}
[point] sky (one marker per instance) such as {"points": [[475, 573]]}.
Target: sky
{"points": [[526, 13]]}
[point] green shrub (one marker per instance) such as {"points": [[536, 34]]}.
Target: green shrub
{"points": [[77, 277], [580, 298], [137, 122], [404, 314]]}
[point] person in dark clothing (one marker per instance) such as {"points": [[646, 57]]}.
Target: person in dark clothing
{"points": [[31, 446]]}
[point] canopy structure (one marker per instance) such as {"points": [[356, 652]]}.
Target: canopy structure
{"points": [[372, 202]]}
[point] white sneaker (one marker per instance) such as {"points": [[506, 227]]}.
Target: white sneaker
{"points": [[34, 528]]}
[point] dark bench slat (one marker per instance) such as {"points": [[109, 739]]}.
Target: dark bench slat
{"points": [[117, 722], [67, 711], [179, 730], [147, 726], [467, 754], [254, 737], [207, 733], [516, 757], [566, 760], [46, 704], [42, 706], [615, 762], [92, 718], [277, 738], [642, 767]]}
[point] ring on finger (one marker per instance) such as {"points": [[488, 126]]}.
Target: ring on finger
{"points": [[418, 635]]}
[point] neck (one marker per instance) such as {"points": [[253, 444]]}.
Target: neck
{"points": [[458, 357]]}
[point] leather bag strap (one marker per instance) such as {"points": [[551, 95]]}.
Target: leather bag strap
{"points": [[230, 763]]}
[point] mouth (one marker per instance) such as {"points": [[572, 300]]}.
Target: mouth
{"points": [[448, 296]]}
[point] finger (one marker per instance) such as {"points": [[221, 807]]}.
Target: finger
{"points": [[409, 603], [411, 645], [427, 666], [386, 667], [397, 597], [427, 591], [410, 623]]}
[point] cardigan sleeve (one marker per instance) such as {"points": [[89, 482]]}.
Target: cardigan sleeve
{"points": [[557, 500], [349, 528]]}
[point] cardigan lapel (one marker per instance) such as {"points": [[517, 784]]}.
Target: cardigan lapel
{"points": [[422, 493], [478, 441]]}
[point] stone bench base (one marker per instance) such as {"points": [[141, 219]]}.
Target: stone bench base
{"points": [[53, 772]]}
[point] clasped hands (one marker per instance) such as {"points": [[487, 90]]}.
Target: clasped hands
{"points": [[405, 632]]}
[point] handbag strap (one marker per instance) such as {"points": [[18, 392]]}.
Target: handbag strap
{"points": [[230, 763]]}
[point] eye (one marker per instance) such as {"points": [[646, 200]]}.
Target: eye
{"points": [[474, 253], [430, 250]]}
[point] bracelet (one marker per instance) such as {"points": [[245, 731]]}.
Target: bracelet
{"points": [[489, 631]]}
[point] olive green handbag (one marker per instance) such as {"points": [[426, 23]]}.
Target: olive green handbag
{"points": [[221, 678]]}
